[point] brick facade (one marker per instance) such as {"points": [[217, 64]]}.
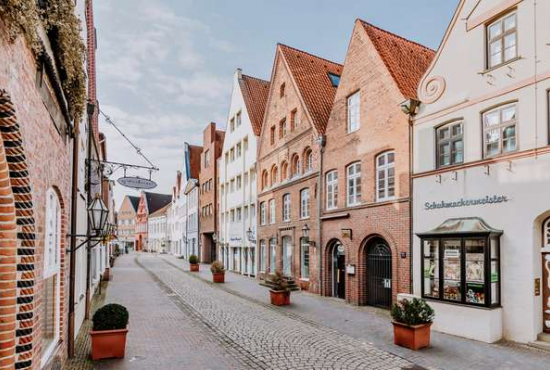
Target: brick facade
{"points": [[208, 196], [31, 141], [383, 129], [141, 225], [283, 167]]}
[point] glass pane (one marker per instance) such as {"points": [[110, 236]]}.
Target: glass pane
{"points": [[451, 270], [492, 118], [510, 22], [475, 271], [391, 157], [508, 113], [458, 151], [431, 268], [509, 139], [444, 133], [49, 308], [492, 138], [381, 160], [444, 154], [495, 30], [457, 130]]}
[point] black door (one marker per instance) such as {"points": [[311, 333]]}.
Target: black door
{"points": [[341, 276], [213, 252], [379, 274]]}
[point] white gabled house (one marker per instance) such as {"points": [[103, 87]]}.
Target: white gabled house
{"points": [[481, 174]]}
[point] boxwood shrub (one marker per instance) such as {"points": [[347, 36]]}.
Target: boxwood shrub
{"points": [[112, 316]]}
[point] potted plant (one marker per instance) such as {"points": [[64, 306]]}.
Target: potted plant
{"points": [[280, 292], [194, 263], [218, 272], [412, 320], [109, 331]]}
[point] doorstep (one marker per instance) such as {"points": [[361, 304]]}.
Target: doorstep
{"points": [[542, 342]]}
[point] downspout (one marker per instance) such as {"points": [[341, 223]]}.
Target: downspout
{"points": [[72, 257], [90, 111], [413, 107], [321, 141]]}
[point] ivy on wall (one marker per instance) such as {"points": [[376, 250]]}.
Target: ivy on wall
{"points": [[63, 27]]}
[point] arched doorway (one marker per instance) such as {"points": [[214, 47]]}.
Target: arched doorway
{"points": [[338, 271], [379, 273]]}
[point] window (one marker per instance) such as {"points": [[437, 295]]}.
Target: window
{"points": [[245, 143], [239, 214], [499, 130], [272, 135], [232, 185], [239, 150], [239, 182], [232, 155], [334, 79], [282, 90], [332, 189], [293, 119], [284, 171], [207, 159], [304, 258], [238, 119], [295, 165], [263, 256], [304, 203], [354, 103], [286, 207], [450, 144], [282, 128], [246, 179], [272, 211], [462, 269], [52, 250], [274, 175], [502, 40], [354, 184], [385, 176], [273, 255], [264, 179], [308, 160], [263, 214], [232, 125]]}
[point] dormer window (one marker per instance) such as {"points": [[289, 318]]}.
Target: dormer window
{"points": [[502, 40], [334, 79]]}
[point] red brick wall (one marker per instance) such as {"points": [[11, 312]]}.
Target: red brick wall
{"points": [[41, 146], [295, 142], [141, 224], [383, 127]]}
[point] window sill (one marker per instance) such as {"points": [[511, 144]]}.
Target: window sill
{"points": [[304, 279], [496, 156], [305, 218], [435, 300], [489, 70]]}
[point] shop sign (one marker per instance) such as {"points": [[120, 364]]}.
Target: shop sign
{"points": [[235, 239], [136, 182], [350, 269], [489, 199], [346, 234]]}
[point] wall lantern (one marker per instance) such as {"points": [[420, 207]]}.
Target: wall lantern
{"points": [[305, 236], [97, 215], [250, 236]]}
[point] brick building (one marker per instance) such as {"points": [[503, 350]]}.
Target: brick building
{"points": [[208, 196], [366, 190], [148, 204], [126, 221], [300, 99]]}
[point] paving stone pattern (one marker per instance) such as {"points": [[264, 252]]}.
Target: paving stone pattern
{"points": [[261, 337]]}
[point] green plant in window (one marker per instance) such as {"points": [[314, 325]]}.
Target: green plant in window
{"points": [[412, 312]]}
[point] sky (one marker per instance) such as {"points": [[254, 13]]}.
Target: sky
{"points": [[165, 67]]}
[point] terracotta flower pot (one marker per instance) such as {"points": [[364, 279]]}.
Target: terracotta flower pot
{"points": [[108, 343], [106, 274], [218, 277], [194, 267], [279, 297], [413, 337]]}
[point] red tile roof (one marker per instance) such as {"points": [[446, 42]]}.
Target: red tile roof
{"points": [[255, 93], [310, 73], [407, 61]]}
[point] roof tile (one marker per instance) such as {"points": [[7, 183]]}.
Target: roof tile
{"points": [[255, 92]]}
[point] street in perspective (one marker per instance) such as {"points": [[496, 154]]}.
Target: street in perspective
{"points": [[274, 185]]}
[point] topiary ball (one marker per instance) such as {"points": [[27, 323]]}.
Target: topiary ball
{"points": [[110, 317]]}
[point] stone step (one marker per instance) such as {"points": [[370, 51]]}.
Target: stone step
{"points": [[544, 337], [538, 344]]}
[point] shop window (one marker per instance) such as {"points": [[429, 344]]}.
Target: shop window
{"points": [[332, 189], [385, 176], [304, 258], [464, 266], [499, 130], [502, 40], [450, 144]]}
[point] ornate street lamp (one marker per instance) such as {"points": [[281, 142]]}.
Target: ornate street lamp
{"points": [[305, 235], [97, 215], [250, 236]]}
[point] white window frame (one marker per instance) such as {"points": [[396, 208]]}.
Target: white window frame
{"points": [[384, 173], [449, 135], [272, 211], [52, 245], [304, 203], [286, 208], [501, 126], [331, 179], [354, 111], [499, 40], [304, 269], [263, 215], [353, 184], [263, 256]]}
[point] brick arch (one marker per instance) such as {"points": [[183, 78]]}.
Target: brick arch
{"points": [[328, 252], [362, 263], [17, 240]]}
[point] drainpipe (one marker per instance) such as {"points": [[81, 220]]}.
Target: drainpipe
{"points": [[72, 257], [321, 141], [90, 111]]}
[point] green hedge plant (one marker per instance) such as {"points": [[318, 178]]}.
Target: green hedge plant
{"points": [[412, 312], [110, 317], [193, 259]]}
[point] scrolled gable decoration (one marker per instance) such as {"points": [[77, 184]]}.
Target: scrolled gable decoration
{"points": [[432, 89]]}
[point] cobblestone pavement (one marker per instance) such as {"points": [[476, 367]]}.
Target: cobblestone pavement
{"points": [[372, 325], [250, 334]]}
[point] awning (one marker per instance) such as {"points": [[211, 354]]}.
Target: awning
{"points": [[467, 225]]}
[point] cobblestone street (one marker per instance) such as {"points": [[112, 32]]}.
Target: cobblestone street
{"points": [[180, 321]]}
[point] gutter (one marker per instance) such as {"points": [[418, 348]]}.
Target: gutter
{"points": [[321, 141]]}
